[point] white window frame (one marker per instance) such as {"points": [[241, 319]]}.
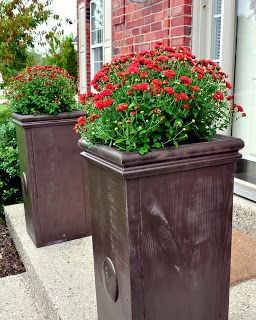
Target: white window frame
{"points": [[97, 45], [82, 48]]}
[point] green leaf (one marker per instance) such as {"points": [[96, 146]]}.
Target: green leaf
{"points": [[144, 149]]}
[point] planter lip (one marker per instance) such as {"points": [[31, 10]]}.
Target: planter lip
{"points": [[45, 117], [219, 145]]}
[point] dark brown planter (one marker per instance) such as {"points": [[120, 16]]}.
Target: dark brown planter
{"points": [[52, 178], [161, 226]]}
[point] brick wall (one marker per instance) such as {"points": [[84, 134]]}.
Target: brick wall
{"points": [[136, 26]]}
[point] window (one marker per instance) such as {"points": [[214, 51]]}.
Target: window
{"points": [[82, 49], [216, 37], [97, 23]]}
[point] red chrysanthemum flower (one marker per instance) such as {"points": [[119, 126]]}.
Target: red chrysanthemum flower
{"points": [[101, 104], [186, 80], [183, 96], [169, 74], [195, 88], [169, 90], [218, 95], [122, 107], [228, 85], [141, 86]]}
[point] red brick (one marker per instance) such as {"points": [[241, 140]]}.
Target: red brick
{"points": [[181, 31], [118, 20], [119, 11], [157, 8], [129, 40], [160, 16], [118, 35], [126, 34], [150, 19], [162, 34], [176, 3], [144, 46], [117, 3], [166, 23], [181, 10], [180, 41], [181, 21], [136, 31], [130, 25], [145, 29], [139, 39], [149, 37], [145, 11], [156, 26], [139, 22]]}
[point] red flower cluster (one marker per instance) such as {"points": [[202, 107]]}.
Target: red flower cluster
{"points": [[101, 104], [54, 88], [164, 94], [169, 74], [218, 95], [122, 107], [187, 81], [141, 86]]}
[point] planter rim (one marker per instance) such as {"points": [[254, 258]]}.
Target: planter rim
{"points": [[46, 117], [219, 145]]}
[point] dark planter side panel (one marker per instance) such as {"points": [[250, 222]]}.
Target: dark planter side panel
{"points": [[59, 177], [186, 239], [55, 205], [110, 240], [28, 179]]}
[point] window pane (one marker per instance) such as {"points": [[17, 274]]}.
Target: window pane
{"points": [[217, 38], [97, 20], [93, 37], [99, 36], [217, 6], [97, 59], [93, 25], [98, 54]]}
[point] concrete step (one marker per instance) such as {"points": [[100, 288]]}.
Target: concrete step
{"points": [[16, 302], [62, 280], [61, 276]]}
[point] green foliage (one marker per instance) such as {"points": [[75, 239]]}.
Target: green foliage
{"points": [[19, 21], [157, 98], [64, 55], [10, 187], [42, 90]]}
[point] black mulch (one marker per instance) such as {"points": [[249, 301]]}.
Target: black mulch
{"points": [[10, 262]]}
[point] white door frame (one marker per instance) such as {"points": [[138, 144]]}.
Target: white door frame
{"points": [[202, 31]]}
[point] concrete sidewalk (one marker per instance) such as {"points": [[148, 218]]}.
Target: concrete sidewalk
{"points": [[61, 277], [16, 302]]}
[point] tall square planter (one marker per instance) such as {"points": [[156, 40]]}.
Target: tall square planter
{"points": [[161, 226], [52, 178]]}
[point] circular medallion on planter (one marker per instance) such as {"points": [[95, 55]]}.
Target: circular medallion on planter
{"points": [[110, 279]]}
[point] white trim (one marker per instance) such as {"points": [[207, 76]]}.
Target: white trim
{"points": [[202, 26], [82, 48], [245, 189], [97, 45]]}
